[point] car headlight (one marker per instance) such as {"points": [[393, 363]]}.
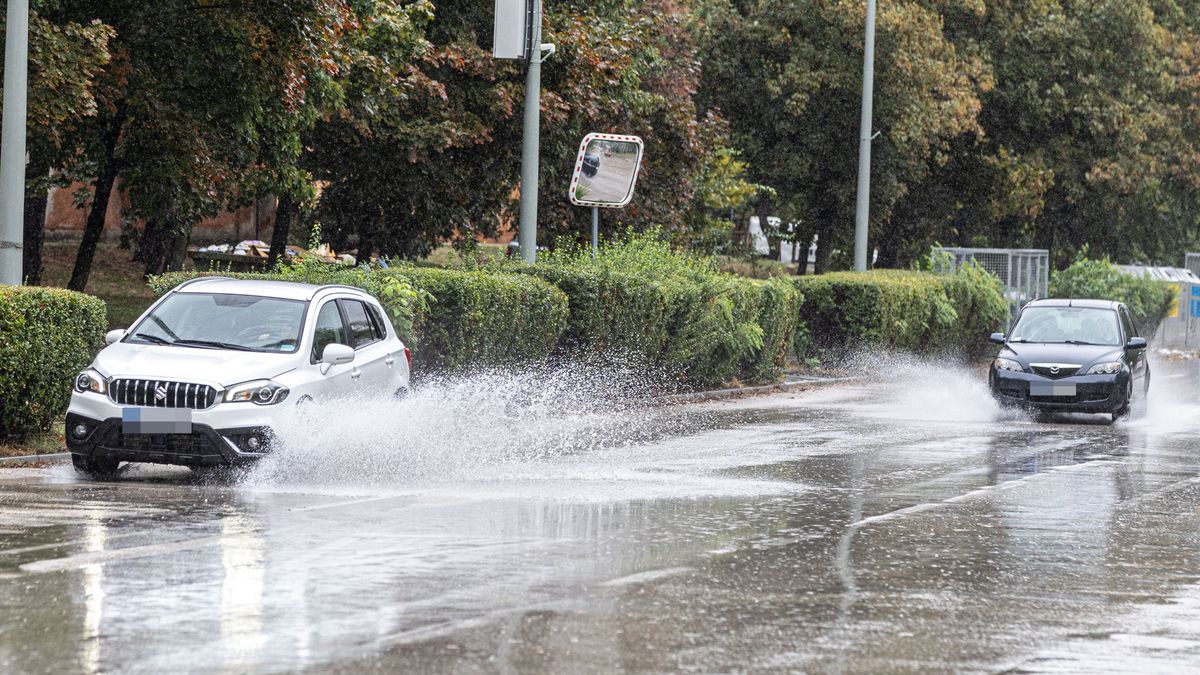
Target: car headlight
{"points": [[1009, 364], [91, 380], [1111, 368], [262, 392]]}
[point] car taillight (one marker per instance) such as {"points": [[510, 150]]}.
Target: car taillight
{"points": [[408, 355]]}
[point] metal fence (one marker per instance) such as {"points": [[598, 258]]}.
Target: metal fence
{"points": [[1191, 261], [1181, 327], [1024, 272]]}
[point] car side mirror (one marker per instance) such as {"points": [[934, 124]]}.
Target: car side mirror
{"points": [[336, 354], [1136, 343], [114, 336], [996, 338]]}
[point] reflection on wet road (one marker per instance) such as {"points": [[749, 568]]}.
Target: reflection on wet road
{"points": [[858, 528]]}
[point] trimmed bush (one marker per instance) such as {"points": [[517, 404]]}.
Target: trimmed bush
{"points": [[452, 319], [671, 311], [47, 336], [1148, 300], [477, 319], [908, 311]]}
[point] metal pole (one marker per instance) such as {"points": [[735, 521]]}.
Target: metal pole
{"points": [[12, 142], [595, 231], [527, 234], [863, 203]]}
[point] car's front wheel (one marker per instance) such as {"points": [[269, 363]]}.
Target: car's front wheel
{"points": [[1123, 409], [91, 467]]}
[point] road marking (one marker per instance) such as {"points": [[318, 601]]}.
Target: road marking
{"points": [[642, 577], [998, 487], [101, 557]]}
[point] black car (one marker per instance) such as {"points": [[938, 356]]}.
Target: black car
{"points": [[591, 164], [1071, 356]]}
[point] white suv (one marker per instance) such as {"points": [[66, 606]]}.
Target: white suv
{"points": [[206, 370]]}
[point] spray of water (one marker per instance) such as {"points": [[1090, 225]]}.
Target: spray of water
{"points": [[924, 388], [464, 427]]}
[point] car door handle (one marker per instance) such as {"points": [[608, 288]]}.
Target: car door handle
{"points": [[355, 374], [389, 360]]}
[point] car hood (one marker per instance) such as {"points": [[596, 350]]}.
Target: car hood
{"points": [[191, 364], [1037, 352]]}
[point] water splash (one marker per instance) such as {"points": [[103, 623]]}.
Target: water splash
{"points": [[465, 427]]}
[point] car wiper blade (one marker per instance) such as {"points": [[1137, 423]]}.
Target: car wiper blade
{"points": [[214, 344], [1078, 342], [153, 338]]}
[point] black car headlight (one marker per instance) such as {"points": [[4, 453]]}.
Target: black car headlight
{"points": [[261, 392], [91, 380], [1108, 368], [1002, 363]]}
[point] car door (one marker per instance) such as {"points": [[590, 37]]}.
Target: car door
{"points": [[330, 328], [1136, 357], [370, 349]]}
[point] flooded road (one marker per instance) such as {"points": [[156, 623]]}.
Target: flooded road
{"points": [[900, 526]]}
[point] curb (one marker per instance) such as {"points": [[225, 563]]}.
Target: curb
{"points": [[720, 394], [37, 458]]}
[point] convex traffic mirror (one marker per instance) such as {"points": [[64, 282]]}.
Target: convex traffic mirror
{"points": [[606, 170]]}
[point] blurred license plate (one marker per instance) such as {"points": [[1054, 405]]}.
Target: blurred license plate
{"points": [[156, 421], [1048, 389]]}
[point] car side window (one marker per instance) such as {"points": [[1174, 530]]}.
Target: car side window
{"points": [[329, 330], [1127, 324], [377, 319], [362, 331]]}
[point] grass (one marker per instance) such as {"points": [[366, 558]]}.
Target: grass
{"points": [[37, 444], [754, 267], [115, 279]]}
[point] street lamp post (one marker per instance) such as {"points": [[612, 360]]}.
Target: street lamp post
{"points": [[12, 142], [862, 206], [527, 232]]}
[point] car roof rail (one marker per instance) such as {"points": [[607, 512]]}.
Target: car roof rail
{"points": [[342, 287], [189, 282]]}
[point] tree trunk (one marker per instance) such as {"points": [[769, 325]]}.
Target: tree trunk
{"points": [[34, 235], [106, 176], [283, 224], [157, 248]]}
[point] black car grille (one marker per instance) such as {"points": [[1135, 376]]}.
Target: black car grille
{"points": [[195, 443], [162, 394], [1045, 371]]}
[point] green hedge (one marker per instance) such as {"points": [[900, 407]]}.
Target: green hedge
{"points": [[1148, 300], [671, 312], [452, 319], [903, 310], [476, 319], [47, 336]]}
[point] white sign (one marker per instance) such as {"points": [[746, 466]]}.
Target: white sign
{"points": [[511, 29], [606, 170]]}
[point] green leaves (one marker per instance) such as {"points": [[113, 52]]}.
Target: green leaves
{"points": [[46, 337]]}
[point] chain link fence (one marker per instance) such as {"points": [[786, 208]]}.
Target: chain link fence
{"points": [[1181, 327], [1024, 272], [1191, 261]]}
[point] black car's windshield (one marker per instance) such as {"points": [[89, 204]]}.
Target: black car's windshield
{"points": [[223, 321], [1067, 325]]}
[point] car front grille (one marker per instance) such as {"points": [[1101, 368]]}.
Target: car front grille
{"points": [[195, 443], [162, 394], [1063, 371]]}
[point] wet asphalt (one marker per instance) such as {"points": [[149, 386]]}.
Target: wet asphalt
{"points": [[898, 526]]}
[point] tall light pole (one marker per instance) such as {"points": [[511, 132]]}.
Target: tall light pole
{"points": [[12, 142], [862, 206], [527, 232]]}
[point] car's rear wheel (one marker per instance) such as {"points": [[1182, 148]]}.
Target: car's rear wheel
{"points": [[91, 467]]}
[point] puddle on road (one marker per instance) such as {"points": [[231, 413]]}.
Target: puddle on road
{"points": [[578, 432]]}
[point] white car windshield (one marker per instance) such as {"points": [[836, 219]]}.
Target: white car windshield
{"points": [[223, 321], [1073, 325]]}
